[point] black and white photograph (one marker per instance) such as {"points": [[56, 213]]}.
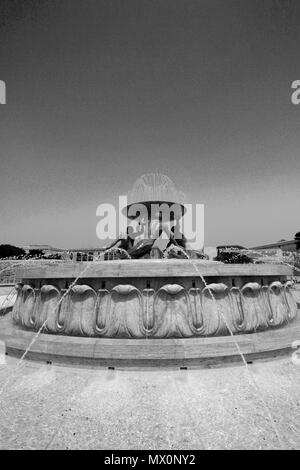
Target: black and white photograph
{"points": [[149, 227]]}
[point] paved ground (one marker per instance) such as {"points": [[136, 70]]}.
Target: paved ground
{"points": [[47, 406]]}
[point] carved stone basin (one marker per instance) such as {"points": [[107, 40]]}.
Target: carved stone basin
{"points": [[154, 298]]}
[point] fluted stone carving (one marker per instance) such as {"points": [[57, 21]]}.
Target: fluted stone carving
{"points": [[291, 298], [170, 311]]}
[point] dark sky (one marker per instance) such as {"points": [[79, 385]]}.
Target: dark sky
{"points": [[100, 92]]}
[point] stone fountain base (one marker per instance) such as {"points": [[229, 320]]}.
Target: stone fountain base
{"points": [[131, 353], [154, 299]]}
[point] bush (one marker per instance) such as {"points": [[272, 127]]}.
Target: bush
{"points": [[8, 251], [233, 257], [35, 253]]}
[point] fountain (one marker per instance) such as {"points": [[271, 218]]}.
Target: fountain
{"points": [[154, 308]]}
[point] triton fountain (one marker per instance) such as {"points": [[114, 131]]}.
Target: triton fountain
{"points": [[153, 309]]}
